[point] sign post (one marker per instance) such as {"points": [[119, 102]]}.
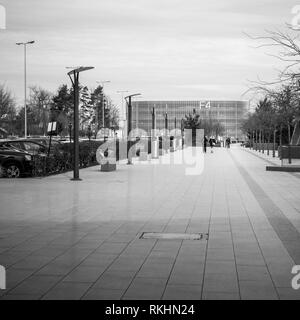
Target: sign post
{"points": [[129, 125], [51, 131]]}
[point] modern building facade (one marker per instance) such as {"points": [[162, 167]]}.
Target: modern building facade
{"points": [[229, 113]]}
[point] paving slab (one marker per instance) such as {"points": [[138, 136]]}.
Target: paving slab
{"points": [[85, 242]]}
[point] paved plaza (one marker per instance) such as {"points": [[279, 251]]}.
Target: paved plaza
{"points": [[82, 240]]}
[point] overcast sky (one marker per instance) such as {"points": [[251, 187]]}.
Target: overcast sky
{"points": [[165, 49]]}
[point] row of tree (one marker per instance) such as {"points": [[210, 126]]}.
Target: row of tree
{"points": [[96, 111], [277, 113], [275, 116]]}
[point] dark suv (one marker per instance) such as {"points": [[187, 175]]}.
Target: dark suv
{"points": [[14, 163]]}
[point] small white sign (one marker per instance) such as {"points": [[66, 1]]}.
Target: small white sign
{"points": [[104, 132], [51, 127]]}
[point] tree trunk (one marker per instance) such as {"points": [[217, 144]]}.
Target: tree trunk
{"points": [[263, 141], [280, 138], [255, 140], [289, 143], [269, 141], [274, 142]]}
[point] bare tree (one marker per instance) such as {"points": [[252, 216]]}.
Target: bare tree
{"points": [[288, 45], [39, 109], [113, 114], [7, 110]]}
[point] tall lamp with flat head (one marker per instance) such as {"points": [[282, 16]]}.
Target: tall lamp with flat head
{"points": [[74, 77]]}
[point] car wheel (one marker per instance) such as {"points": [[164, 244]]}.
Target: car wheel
{"points": [[12, 171]]}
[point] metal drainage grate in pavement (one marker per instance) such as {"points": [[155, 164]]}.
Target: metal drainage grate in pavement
{"points": [[174, 236]]}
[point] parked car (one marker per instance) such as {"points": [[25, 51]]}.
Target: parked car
{"points": [[30, 147], [46, 141], [33, 146], [15, 163]]}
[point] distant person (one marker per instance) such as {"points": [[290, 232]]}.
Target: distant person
{"points": [[228, 143], [205, 140], [212, 142]]}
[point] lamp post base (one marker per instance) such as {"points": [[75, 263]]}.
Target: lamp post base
{"points": [[76, 179], [108, 167]]}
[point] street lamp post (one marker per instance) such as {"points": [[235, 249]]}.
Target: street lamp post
{"points": [[123, 113], [154, 138], [182, 131], [166, 121], [167, 139], [129, 123], [74, 77], [24, 44], [153, 113]]}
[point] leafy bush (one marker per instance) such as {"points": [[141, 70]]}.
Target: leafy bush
{"points": [[61, 159]]}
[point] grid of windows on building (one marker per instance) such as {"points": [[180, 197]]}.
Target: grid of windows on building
{"points": [[230, 114]]}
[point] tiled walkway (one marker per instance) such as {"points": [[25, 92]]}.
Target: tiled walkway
{"points": [[81, 240]]}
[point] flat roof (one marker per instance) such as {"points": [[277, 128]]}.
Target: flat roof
{"points": [[192, 100]]}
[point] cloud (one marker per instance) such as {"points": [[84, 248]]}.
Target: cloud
{"points": [[151, 46]]}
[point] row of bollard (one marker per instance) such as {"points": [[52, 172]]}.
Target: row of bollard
{"points": [[159, 147]]}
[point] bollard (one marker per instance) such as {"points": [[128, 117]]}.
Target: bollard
{"points": [[179, 144], [166, 144], [161, 152], [106, 159], [108, 167], [154, 149], [173, 145]]}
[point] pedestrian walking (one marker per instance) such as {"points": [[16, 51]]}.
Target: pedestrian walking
{"points": [[212, 142], [228, 143]]}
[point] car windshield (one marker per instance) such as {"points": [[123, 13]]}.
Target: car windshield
{"points": [[33, 147], [46, 142]]}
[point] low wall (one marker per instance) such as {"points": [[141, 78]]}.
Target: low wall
{"points": [[265, 146], [285, 150]]}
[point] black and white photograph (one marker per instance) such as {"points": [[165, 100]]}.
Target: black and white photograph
{"points": [[149, 153]]}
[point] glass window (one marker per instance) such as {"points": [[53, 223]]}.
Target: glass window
{"points": [[33, 147]]}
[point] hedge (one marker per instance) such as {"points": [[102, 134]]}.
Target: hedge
{"points": [[61, 159]]}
